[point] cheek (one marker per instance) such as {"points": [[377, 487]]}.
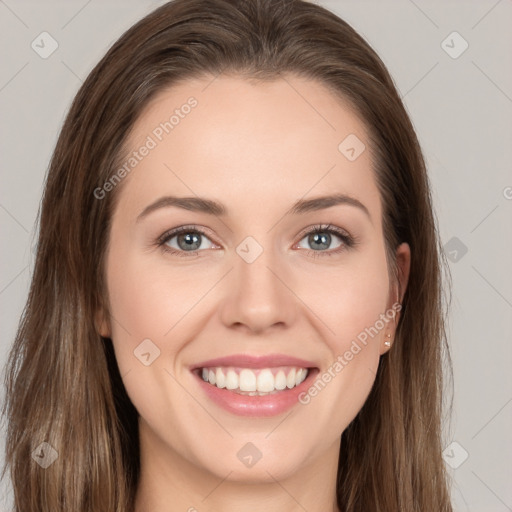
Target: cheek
{"points": [[150, 294], [348, 298], [351, 301], [145, 303], [353, 307]]}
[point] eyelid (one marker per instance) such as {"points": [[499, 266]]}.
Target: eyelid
{"points": [[170, 233], [324, 227]]}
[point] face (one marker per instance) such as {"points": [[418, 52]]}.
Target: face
{"points": [[254, 332]]}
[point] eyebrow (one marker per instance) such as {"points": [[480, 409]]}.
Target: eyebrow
{"points": [[211, 207]]}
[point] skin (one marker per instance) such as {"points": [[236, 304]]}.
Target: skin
{"points": [[257, 148]]}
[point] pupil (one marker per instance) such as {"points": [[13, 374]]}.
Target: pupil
{"points": [[190, 240], [322, 239]]}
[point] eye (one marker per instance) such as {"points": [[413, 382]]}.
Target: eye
{"points": [[320, 238], [189, 240], [184, 241]]}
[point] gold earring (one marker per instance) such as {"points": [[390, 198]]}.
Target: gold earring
{"points": [[388, 342]]}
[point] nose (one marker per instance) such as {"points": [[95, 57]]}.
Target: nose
{"points": [[257, 296]]}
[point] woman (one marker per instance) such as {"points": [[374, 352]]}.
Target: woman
{"points": [[236, 302]]}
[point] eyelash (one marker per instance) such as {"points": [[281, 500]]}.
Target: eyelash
{"points": [[348, 241]]}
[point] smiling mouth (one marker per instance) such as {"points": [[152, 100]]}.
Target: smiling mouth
{"points": [[254, 382]]}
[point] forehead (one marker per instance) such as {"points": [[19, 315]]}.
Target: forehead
{"points": [[247, 143]]}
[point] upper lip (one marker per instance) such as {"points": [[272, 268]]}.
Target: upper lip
{"points": [[249, 361]]}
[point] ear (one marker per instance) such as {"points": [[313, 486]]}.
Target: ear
{"points": [[397, 292], [403, 261], [102, 323]]}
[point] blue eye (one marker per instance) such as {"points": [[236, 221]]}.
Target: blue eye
{"points": [[189, 240], [321, 237]]}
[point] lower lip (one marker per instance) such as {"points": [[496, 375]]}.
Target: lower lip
{"points": [[266, 405]]}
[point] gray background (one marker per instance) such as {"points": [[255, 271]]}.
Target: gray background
{"points": [[461, 108]]}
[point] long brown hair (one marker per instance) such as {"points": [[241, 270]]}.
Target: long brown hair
{"points": [[62, 381]]}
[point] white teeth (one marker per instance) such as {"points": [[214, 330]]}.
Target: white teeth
{"points": [[247, 380], [231, 380], [255, 382], [290, 380], [220, 379], [265, 381], [280, 380]]}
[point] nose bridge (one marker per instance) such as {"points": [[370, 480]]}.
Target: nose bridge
{"points": [[257, 295]]}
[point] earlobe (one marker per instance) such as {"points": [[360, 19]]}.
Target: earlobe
{"points": [[386, 346]]}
